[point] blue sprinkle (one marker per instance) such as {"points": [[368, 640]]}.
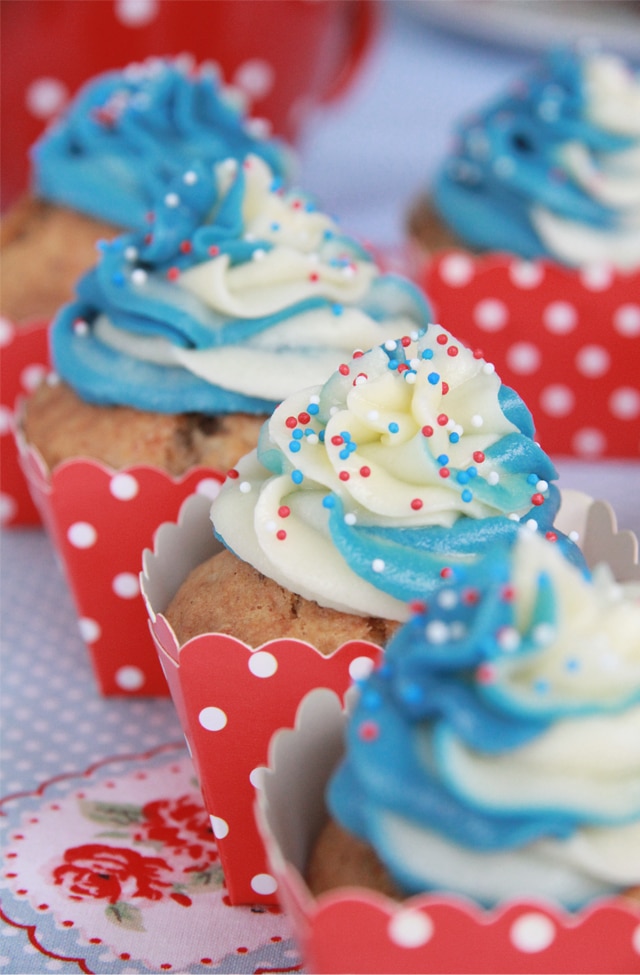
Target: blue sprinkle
{"points": [[328, 234], [434, 378], [466, 495], [472, 471], [329, 501], [371, 698], [572, 664], [541, 686], [393, 428], [344, 454], [427, 354], [275, 226], [313, 409], [443, 459], [393, 363], [297, 477], [118, 278], [297, 434], [345, 435], [532, 479], [454, 437], [337, 309], [321, 436], [351, 446], [411, 693], [462, 477], [294, 446]]}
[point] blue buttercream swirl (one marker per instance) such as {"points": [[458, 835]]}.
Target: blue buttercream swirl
{"points": [[496, 751], [237, 292], [413, 458], [551, 169], [127, 132]]}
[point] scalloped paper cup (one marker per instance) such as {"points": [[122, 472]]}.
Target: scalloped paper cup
{"points": [[24, 361], [354, 930], [99, 521], [231, 698], [567, 340]]}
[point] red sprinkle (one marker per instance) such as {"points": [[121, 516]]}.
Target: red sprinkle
{"points": [[444, 472], [303, 418], [365, 471], [442, 339], [443, 419], [485, 674], [403, 367], [344, 475], [417, 606], [337, 440], [343, 369], [453, 350], [314, 276], [291, 422], [478, 456], [427, 431], [232, 474], [214, 250], [508, 593], [446, 573], [470, 596], [478, 354], [357, 354], [445, 388], [173, 273], [551, 537], [416, 504], [284, 511], [537, 499], [405, 341], [186, 246], [281, 535], [369, 730]]}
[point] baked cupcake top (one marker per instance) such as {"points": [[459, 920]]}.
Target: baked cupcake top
{"points": [[552, 168], [496, 751], [127, 132], [411, 459], [239, 293]]}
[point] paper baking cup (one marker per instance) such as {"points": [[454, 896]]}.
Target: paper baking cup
{"points": [[24, 361], [231, 698], [566, 340], [354, 930], [100, 520]]}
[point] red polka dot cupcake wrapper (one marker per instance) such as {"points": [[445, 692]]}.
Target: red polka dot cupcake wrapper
{"points": [[231, 698], [100, 521], [24, 361], [567, 341]]}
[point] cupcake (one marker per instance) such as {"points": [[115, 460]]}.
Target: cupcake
{"points": [[548, 170], [476, 807], [99, 168], [95, 173], [180, 342]]}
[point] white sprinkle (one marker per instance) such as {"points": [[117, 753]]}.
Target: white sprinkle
{"points": [[543, 633], [542, 485], [488, 368], [172, 200], [508, 639], [190, 177], [270, 526], [245, 487], [334, 410], [313, 439], [348, 270], [52, 379], [493, 477], [513, 516], [350, 519], [410, 377], [81, 328], [436, 631], [447, 599], [414, 363], [259, 254], [250, 238], [390, 345], [139, 276], [414, 336], [457, 630], [131, 253], [378, 565], [476, 420], [531, 524], [314, 399], [574, 535], [373, 415]]}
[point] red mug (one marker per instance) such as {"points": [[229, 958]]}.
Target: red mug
{"points": [[286, 55]]}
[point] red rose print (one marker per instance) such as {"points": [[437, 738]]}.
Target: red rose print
{"points": [[109, 873], [182, 825]]}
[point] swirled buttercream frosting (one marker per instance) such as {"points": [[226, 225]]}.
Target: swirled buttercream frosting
{"points": [[552, 169], [127, 132], [411, 459], [496, 751], [237, 294]]}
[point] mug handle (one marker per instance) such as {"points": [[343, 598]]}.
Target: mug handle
{"points": [[364, 19]]}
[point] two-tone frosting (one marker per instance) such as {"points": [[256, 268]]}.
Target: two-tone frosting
{"points": [[127, 132], [239, 292], [552, 169], [496, 751], [411, 459]]}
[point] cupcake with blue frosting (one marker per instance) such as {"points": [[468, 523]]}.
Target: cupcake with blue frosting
{"points": [[495, 752], [98, 170], [548, 170]]}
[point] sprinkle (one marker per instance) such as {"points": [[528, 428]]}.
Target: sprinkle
{"points": [[80, 327], [454, 437], [417, 607], [214, 250], [360, 379], [294, 446], [551, 536], [410, 377], [393, 427], [477, 420], [427, 354], [574, 536], [433, 378], [541, 686], [427, 431], [291, 422], [365, 471], [445, 388], [443, 419], [485, 674], [537, 499], [446, 572], [488, 368], [328, 501], [378, 565], [131, 253], [172, 200], [173, 273], [466, 495], [233, 474], [369, 730], [542, 485], [416, 504], [344, 475], [259, 254], [436, 631], [442, 339], [343, 369], [443, 459], [478, 456], [444, 472], [532, 479], [313, 409], [452, 350], [297, 434], [405, 341], [337, 440], [508, 639], [314, 276], [350, 518], [297, 477], [390, 345], [190, 178], [245, 487], [470, 597], [543, 633], [447, 598], [139, 276], [312, 438], [304, 418], [493, 477], [118, 278], [284, 511], [186, 246], [531, 524], [281, 534]]}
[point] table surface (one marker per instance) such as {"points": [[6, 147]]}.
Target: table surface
{"points": [[76, 767]]}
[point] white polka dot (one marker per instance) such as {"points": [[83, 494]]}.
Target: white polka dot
{"points": [[626, 320], [136, 13], [82, 535], [596, 277], [524, 358], [7, 332], [6, 420], [589, 442], [124, 487], [256, 776], [360, 667], [593, 361], [526, 275], [126, 585], [410, 929], [212, 719], [90, 630], [32, 375], [219, 826], [264, 883], [208, 487], [129, 678], [491, 314], [456, 270], [560, 317], [262, 664], [255, 77], [45, 97], [532, 932], [557, 400], [8, 508], [624, 403]]}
